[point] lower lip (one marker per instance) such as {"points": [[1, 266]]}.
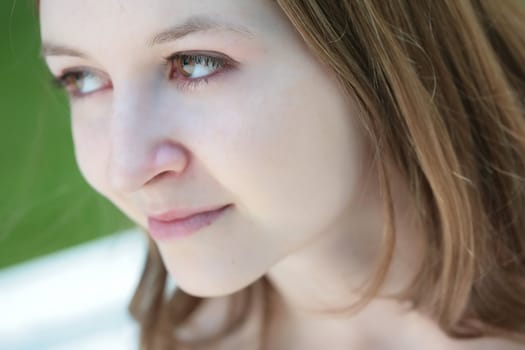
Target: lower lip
{"points": [[169, 230]]}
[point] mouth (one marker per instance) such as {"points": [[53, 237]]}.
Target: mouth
{"points": [[162, 230]]}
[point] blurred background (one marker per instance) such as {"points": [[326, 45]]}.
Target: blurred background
{"points": [[69, 260]]}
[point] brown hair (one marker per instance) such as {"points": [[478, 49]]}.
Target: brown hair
{"points": [[441, 86]]}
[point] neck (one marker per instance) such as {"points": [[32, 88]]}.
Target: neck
{"points": [[328, 273], [316, 287]]}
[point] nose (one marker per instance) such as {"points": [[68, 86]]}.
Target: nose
{"points": [[142, 150]]}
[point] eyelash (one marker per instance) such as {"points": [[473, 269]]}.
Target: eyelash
{"points": [[219, 65]]}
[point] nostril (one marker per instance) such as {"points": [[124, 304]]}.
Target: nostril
{"points": [[162, 175]]}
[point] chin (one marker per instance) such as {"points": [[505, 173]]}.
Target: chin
{"points": [[207, 286]]}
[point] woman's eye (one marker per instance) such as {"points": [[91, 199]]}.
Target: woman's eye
{"points": [[186, 70], [81, 83], [189, 71]]}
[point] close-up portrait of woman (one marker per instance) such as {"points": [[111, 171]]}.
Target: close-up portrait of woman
{"points": [[310, 174]]}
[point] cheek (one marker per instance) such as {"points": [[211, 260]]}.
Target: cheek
{"points": [[91, 145], [294, 153]]}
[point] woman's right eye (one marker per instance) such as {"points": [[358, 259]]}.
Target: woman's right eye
{"points": [[81, 83]]}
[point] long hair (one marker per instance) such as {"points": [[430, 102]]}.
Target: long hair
{"points": [[440, 84]]}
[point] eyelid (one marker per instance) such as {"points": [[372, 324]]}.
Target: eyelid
{"points": [[213, 54], [83, 69]]}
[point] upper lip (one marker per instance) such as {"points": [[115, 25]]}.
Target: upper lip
{"points": [[181, 213]]}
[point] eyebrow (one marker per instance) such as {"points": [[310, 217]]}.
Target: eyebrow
{"points": [[191, 25]]}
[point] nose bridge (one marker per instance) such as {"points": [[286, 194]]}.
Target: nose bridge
{"points": [[129, 148], [140, 149]]}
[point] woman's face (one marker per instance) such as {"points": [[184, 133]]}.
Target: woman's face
{"points": [[266, 128]]}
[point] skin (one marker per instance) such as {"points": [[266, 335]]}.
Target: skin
{"points": [[274, 136]]}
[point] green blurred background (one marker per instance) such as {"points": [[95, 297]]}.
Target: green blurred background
{"points": [[45, 205]]}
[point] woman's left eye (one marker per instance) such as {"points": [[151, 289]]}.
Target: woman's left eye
{"points": [[189, 71]]}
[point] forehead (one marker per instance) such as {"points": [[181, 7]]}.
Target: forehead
{"points": [[95, 22]]}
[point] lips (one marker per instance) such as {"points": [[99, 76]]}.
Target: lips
{"points": [[178, 224], [176, 214]]}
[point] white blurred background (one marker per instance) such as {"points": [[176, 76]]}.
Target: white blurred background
{"points": [[74, 299]]}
